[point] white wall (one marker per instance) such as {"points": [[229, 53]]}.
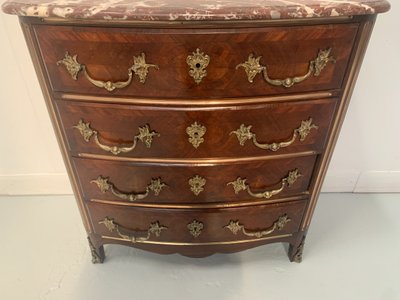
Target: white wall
{"points": [[366, 159], [30, 161], [367, 155]]}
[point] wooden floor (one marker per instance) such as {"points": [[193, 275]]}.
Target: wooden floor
{"points": [[44, 255]]}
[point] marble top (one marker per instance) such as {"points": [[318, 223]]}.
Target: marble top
{"points": [[181, 10]]}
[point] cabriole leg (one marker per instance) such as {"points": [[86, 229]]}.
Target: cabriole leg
{"points": [[98, 255], [296, 248]]}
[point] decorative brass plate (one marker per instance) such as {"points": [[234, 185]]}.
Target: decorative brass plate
{"points": [[240, 185], [139, 68], [97, 257], [244, 133], [197, 184], [198, 63], [252, 67], [196, 132], [195, 228], [144, 135], [154, 228], [104, 186], [235, 227]]}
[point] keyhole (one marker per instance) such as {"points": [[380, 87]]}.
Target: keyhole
{"points": [[198, 65]]}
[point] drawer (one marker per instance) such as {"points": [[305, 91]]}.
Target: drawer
{"points": [[175, 226], [164, 184], [238, 131], [130, 61]]}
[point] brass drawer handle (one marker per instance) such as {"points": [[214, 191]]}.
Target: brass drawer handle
{"points": [[252, 67], [144, 135], [235, 227], [139, 68], [154, 228], [240, 185], [244, 133], [104, 186]]}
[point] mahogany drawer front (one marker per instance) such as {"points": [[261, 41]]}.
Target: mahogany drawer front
{"points": [[165, 184], [186, 133], [196, 225], [108, 54]]}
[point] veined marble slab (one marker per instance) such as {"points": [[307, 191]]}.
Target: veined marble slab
{"points": [[181, 10]]}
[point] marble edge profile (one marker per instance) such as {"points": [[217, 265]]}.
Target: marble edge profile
{"points": [[54, 10]]}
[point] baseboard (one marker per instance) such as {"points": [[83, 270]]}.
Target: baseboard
{"points": [[378, 182], [340, 181], [35, 184], [335, 182]]}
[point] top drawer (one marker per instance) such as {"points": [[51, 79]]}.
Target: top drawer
{"points": [[167, 65]]}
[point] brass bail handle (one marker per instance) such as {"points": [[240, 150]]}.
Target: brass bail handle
{"points": [[244, 133], [253, 67], [140, 68], [133, 236], [145, 135], [104, 185], [235, 227], [240, 184]]}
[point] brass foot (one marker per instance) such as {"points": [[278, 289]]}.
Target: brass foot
{"points": [[296, 251], [98, 255]]}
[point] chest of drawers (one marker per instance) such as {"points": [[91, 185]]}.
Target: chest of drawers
{"points": [[186, 131]]}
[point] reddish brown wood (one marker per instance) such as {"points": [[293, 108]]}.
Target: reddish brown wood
{"points": [[201, 251], [136, 221], [296, 247], [118, 124], [108, 53], [286, 49], [130, 177]]}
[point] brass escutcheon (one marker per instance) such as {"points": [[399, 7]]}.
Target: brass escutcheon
{"points": [[196, 132], [197, 184], [198, 63], [195, 228]]}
